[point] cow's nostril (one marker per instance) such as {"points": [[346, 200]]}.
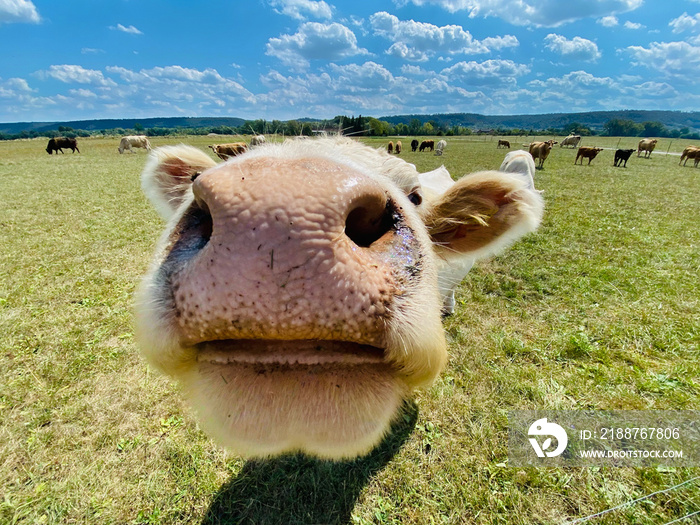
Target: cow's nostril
{"points": [[369, 220]]}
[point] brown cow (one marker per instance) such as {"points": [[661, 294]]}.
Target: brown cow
{"points": [[647, 146], [586, 152], [427, 144], [390, 147], [58, 143], [691, 152], [503, 144], [224, 151], [540, 150], [397, 148]]}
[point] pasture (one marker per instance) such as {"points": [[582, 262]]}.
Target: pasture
{"points": [[600, 309]]}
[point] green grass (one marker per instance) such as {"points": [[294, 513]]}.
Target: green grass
{"points": [[600, 309]]}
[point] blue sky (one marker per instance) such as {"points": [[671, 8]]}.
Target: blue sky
{"points": [[286, 59]]}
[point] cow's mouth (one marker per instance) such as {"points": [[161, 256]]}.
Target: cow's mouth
{"points": [[293, 354]]}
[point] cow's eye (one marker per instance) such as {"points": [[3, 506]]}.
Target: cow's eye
{"points": [[415, 197]]}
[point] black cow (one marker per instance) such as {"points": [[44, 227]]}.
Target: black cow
{"points": [[622, 155], [62, 142], [414, 144]]}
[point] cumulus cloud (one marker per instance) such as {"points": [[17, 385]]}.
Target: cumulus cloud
{"points": [[72, 74], [608, 21], [577, 48], [420, 41], [541, 13], [672, 58], [685, 22], [18, 11], [126, 29], [633, 25], [489, 72], [314, 41], [302, 9]]}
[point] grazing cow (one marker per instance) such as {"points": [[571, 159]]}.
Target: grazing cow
{"points": [[691, 152], [295, 292], [224, 151], [257, 140], [134, 141], [503, 144], [520, 162], [622, 155], [571, 140], [427, 144], [647, 146], [540, 150], [390, 147], [57, 144], [414, 144], [397, 148], [440, 148], [586, 152]]}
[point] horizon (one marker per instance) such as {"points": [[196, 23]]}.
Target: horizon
{"points": [[278, 59]]}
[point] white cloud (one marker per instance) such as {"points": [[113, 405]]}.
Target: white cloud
{"points": [[314, 41], [489, 72], [633, 25], [679, 59], [577, 48], [299, 9], [685, 22], [72, 74], [608, 21], [542, 13], [575, 83], [420, 41], [18, 11], [126, 29]]}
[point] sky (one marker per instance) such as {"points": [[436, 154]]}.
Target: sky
{"points": [[290, 59]]}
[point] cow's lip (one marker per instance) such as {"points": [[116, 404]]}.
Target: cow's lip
{"points": [[292, 353]]}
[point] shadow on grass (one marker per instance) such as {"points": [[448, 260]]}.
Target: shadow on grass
{"points": [[299, 489]]}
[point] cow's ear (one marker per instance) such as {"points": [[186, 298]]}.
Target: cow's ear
{"points": [[482, 214], [167, 177]]}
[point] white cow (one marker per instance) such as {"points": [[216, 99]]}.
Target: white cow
{"points": [[520, 162], [257, 140], [294, 294], [440, 148], [571, 140], [134, 141]]}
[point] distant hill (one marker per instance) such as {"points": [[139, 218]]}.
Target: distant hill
{"points": [[593, 119]]}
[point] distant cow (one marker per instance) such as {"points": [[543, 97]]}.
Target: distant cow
{"points": [[585, 152], [622, 155], [397, 147], [390, 147], [503, 144], [647, 146], [571, 140], [414, 145], [257, 140], [62, 142], [520, 162], [224, 151], [427, 144], [440, 148], [134, 141], [540, 150], [691, 152]]}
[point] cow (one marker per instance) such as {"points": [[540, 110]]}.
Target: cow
{"points": [[622, 155], [647, 146], [691, 152], [427, 144], [257, 140], [571, 140], [224, 151], [390, 147], [586, 152], [134, 141], [294, 294], [397, 147], [503, 144], [414, 144], [57, 144], [540, 150], [440, 148], [520, 162]]}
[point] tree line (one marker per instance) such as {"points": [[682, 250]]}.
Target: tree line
{"points": [[371, 127]]}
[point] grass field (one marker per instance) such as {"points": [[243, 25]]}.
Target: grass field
{"points": [[598, 310]]}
